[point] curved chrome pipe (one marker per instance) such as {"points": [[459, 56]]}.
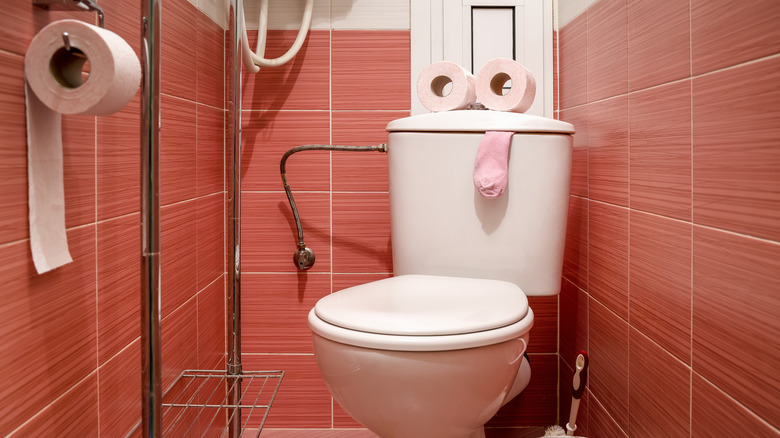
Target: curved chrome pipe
{"points": [[303, 256]]}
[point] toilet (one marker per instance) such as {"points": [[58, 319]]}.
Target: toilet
{"points": [[437, 349]]}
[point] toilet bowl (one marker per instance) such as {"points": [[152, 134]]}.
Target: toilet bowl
{"points": [[423, 356]]}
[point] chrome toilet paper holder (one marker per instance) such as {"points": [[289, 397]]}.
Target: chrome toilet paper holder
{"points": [[72, 5]]}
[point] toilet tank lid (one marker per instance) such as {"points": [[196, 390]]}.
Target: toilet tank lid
{"points": [[425, 305], [479, 121]]}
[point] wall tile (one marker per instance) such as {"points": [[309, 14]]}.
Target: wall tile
{"points": [[269, 237], [608, 256], [372, 64], [179, 352], [575, 253], [748, 31], [544, 333], [735, 117], [365, 171], [210, 241], [537, 404], [275, 308], [267, 135], [211, 325], [367, 14], [118, 284], [301, 84], [600, 423], [717, 414], [303, 400], [120, 392], [178, 32], [658, 42], [579, 160], [209, 157], [361, 232], [607, 49], [78, 150], [13, 154], [72, 415], [660, 150], [735, 322], [48, 320], [209, 51], [177, 150], [660, 299], [178, 255], [608, 151], [119, 161], [573, 322], [287, 15], [650, 383], [574, 62], [609, 362], [25, 20], [343, 281]]}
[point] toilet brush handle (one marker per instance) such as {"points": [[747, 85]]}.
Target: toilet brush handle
{"points": [[578, 388]]}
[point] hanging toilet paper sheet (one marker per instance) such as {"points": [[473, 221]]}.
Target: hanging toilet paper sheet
{"points": [[432, 83], [54, 85], [491, 80]]}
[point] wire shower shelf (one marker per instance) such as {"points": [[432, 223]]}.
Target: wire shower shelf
{"points": [[202, 403]]}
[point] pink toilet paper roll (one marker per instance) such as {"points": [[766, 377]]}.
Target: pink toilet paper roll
{"points": [[435, 77], [490, 82]]}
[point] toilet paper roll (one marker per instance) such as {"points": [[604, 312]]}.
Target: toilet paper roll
{"points": [[490, 83], [432, 82], [54, 68]]}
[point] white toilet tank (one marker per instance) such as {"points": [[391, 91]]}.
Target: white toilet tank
{"points": [[441, 225]]}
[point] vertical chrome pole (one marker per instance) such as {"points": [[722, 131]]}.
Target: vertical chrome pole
{"points": [[150, 218], [234, 215]]}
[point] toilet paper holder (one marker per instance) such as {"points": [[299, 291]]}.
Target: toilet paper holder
{"points": [[72, 5]]}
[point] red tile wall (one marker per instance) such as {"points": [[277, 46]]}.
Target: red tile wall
{"points": [[69, 339], [673, 248], [343, 87]]}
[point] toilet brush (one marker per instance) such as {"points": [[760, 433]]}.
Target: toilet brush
{"points": [[578, 388]]}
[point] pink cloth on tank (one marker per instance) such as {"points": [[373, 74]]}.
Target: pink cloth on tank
{"points": [[490, 166]]}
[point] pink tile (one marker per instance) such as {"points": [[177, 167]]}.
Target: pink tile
{"points": [[78, 150], [660, 298], [579, 161], [119, 162], [179, 350], [659, 395], [364, 171], [209, 74], [118, 283], [544, 334], [75, 414], [537, 405], [370, 70], [21, 21], [658, 43], [608, 352], [343, 281], [735, 321], [122, 18], [608, 151], [717, 414], [607, 49], [212, 324], [735, 153], [748, 31], [556, 78], [600, 422], [341, 419], [267, 135], [573, 323], [177, 150], [573, 58], [120, 392], [317, 433], [269, 237], [178, 255], [303, 400], [361, 233], [48, 320], [275, 309], [660, 143], [210, 239], [177, 34], [608, 256], [575, 254], [13, 154], [301, 84], [210, 153]]}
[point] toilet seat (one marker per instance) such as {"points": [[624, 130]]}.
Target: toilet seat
{"points": [[423, 313]]}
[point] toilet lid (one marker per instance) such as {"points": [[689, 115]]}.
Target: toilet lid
{"points": [[425, 305]]}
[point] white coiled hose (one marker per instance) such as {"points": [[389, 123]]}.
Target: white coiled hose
{"points": [[254, 60]]}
